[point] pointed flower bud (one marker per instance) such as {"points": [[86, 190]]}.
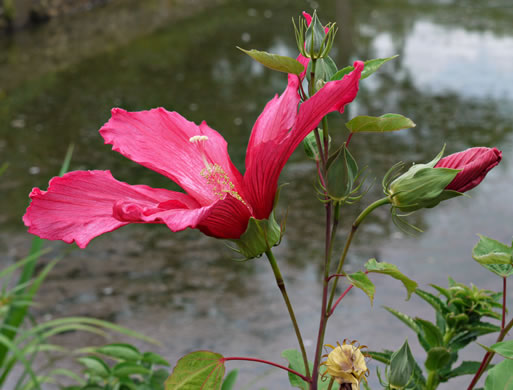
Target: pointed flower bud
{"points": [[422, 186], [346, 364], [313, 39], [473, 163], [342, 175], [426, 185]]}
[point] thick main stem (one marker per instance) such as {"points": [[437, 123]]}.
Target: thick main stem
{"points": [[281, 286], [504, 331]]}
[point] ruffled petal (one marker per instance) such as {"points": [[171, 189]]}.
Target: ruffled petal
{"points": [[266, 159], [82, 205], [161, 140], [474, 163]]}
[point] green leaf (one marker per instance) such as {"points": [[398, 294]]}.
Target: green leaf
{"points": [[127, 369], [158, 378], [371, 66], [360, 280], [404, 318], [229, 380], [401, 368], [503, 348], [95, 366], [489, 251], [389, 269], [437, 358], [153, 358], [380, 124], [465, 368], [500, 377], [275, 61], [201, 370], [296, 363], [383, 357], [120, 351], [503, 270], [434, 301], [431, 332]]}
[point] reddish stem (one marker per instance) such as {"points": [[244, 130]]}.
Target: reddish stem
{"points": [[349, 139], [503, 323], [269, 363], [339, 299]]}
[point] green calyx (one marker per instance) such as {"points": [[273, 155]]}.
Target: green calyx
{"points": [[313, 41], [422, 186], [260, 236]]}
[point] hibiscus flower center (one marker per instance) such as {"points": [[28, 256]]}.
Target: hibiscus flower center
{"points": [[213, 173]]}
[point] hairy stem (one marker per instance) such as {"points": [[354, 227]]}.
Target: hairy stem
{"points": [[281, 286]]}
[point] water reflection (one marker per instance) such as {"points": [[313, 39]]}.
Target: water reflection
{"points": [[451, 79]]}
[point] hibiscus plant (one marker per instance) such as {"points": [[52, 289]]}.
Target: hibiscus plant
{"points": [[225, 204]]}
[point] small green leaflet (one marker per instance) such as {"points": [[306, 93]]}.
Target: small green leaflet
{"points": [[504, 348], [371, 66], [380, 124], [201, 370], [275, 61], [389, 269], [360, 280], [491, 252]]}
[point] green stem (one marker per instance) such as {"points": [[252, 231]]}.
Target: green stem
{"points": [[432, 381], [281, 286], [325, 135], [349, 239]]}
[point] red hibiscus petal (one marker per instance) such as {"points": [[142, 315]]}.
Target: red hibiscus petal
{"points": [[82, 205], [474, 164], [160, 140]]}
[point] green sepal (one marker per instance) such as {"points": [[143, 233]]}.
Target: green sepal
{"points": [[324, 69], [422, 186], [260, 236], [342, 174], [371, 66], [275, 61], [402, 364]]}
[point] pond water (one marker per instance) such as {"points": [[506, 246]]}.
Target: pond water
{"points": [[454, 78]]}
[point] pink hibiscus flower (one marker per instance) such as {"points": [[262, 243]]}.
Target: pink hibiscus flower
{"points": [[218, 199]]}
